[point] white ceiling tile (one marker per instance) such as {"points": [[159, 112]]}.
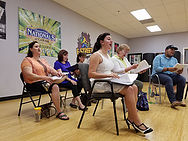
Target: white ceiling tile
{"points": [[151, 3], [175, 7], [157, 11], [131, 5], [170, 15]]}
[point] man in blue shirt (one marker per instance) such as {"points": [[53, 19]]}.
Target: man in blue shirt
{"points": [[163, 65]]}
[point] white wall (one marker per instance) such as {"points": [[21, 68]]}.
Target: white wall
{"points": [[156, 44], [72, 26]]}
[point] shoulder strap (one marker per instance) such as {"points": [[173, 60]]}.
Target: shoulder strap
{"points": [[44, 66]]}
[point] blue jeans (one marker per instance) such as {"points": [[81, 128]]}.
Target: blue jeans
{"points": [[169, 80]]}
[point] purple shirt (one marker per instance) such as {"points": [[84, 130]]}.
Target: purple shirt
{"points": [[59, 65]]}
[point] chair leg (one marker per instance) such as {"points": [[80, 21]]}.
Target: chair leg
{"points": [[20, 106], [156, 101], [32, 100], [115, 115], [39, 100], [65, 99], [160, 94], [61, 101], [102, 104], [123, 103], [83, 113], [95, 108], [149, 92], [186, 91]]}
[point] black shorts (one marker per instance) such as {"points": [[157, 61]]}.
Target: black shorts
{"points": [[39, 87]]}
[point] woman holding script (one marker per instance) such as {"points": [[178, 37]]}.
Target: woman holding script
{"points": [[122, 65], [36, 73], [62, 65], [101, 67]]}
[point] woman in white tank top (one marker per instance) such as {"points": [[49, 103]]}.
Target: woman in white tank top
{"points": [[101, 66]]}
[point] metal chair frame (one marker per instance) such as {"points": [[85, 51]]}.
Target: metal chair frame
{"points": [[26, 93], [99, 96]]}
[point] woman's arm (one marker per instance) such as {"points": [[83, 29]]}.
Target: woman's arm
{"points": [[72, 81], [134, 66], [28, 74], [117, 67], [55, 72]]}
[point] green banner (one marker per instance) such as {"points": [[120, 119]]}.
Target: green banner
{"points": [[34, 27]]}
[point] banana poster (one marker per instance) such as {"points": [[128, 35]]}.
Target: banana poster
{"points": [[35, 27]]}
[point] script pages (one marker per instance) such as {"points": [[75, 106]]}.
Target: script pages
{"points": [[57, 79], [143, 65], [126, 79], [179, 67]]}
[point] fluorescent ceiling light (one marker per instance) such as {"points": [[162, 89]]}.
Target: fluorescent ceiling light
{"points": [[153, 28], [141, 14]]}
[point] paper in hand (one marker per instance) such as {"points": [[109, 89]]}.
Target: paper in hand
{"points": [[57, 79], [72, 68], [143, 65], [179, 67]]}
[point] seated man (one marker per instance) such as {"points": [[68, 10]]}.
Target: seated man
{"points": [[163, 65]]}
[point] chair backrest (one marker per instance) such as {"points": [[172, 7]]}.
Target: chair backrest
{"points": [[150, 78], [22, 79], [84, 76]]}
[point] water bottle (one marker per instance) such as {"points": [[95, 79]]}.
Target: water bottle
{"points": [[37, 114]]}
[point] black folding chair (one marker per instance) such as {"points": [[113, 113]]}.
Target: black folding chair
{"points": [[186, 91], [64, 97], [98, 96], [26, 93]]}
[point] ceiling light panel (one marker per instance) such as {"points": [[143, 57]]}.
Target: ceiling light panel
{"points": [[154, 28], [141, 14]]}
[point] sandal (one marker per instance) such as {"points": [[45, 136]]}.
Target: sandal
{"points": [[84, 109], [62, 116], [73, 105], [129, 123], [145, 131]]}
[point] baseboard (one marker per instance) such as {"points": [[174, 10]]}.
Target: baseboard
{"points": [[14, 97], [10, 97]]}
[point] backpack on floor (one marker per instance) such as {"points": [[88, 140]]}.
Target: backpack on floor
{"points": [[142, 103]]}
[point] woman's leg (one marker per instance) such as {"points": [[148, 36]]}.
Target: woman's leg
{"points": [[139, 85], [75, 93], [130, 101], [56, 101], [56, 98], [129, 93], [135, 90], [79, 102]]}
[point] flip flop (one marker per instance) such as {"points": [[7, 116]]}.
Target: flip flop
{"points": [[62, 116]]}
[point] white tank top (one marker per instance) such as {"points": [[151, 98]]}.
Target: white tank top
{"points": [[106, 66]]}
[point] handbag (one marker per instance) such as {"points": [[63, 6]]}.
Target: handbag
{"points": [[47, 110], [142, 103]]}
